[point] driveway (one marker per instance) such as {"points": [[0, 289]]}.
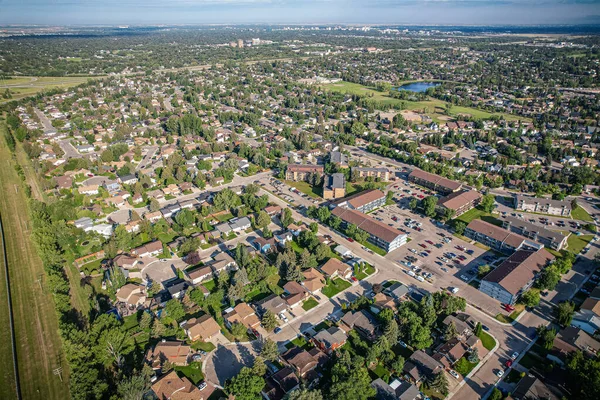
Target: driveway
{"points": [[228, 360], [162, 270]]}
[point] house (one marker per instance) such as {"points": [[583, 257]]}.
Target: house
{"points": [[434, 182], [172, 387], [382, 174], [380, 234], [397, 389], [300, 360], [273, 210], [272, 303], [461, 326], [398, 291], [588, 317], [421, 366], [198, 275], [240, 224], [129, 179], [177, 288], [202, 328], [541, 205], [103, 229], [381, 301], [286, 379], [153, 216], [243, 314], [149, 249], [176, 353], [89, 189], [335, 268], [459, 202], [295, 293], [334, 186], [126, 262], [515, 275], [552, 239], [573, 339], [63, 182], [364, 201], [364, 323], [452, 351], [263, 245], [313, 281], [84, 223], [220, 262], [131, 294], [282, 238], [530, 387], [224, 229], [330, 339], [498, 238], [339, 159], [300, 172]]}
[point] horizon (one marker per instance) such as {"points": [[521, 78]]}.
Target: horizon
{"points": [[301, 12]]}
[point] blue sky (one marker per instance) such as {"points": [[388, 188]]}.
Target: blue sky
{"points": [[448, 12]]}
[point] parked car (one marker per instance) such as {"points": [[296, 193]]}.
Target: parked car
{"points": [[277, 330], [454, 374], [514, 355], [202, 385], [500, 373]]}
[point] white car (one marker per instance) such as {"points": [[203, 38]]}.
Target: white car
{"points": [[464, 278], [454, 290], [413, 251], [514, 355], [420, 279], [401, 343], [410, 273], [202, 386], [500, 373], [283, 317], [454, 374]]}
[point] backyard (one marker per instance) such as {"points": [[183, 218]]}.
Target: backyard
{"points": [[335, 286], [193, 372]]}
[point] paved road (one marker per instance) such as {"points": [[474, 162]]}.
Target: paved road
{"points": [[69, 149], [48, 128], [151, 151]]}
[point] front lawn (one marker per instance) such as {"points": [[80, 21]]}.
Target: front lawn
{"points": [[381, 372], [205, 346], [487, 340], [464, 366], [508, 319], [580, 214], [375, 249], [576, 243], [309, 304], [193, 372], [299, 341], [364, 272], [513, 376], [529, 360], [335, 286], [210, 285]]}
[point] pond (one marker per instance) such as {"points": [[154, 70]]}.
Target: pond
{"points": [[418, 87]]}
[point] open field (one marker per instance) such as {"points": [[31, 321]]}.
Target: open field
{"points": [[36, 324], [432, 107], [8, 389], [29, 85], [576, 243], [580, 214]]}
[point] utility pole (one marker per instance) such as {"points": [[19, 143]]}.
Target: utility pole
{"points": [[58, 371], [39, 280]]}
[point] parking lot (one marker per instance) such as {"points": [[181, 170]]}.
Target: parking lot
{"points": [[288, 193]]}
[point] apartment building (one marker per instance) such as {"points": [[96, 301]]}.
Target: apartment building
{"points": [[498, 238], [380, 234], [334, 187], [365, 201], [434, 182], [543, 206], [552, 239], [515, 275], [460, 202], [377, 173], [299, 172]]}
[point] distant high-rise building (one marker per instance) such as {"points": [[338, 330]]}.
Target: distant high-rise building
{"points": [[240, 43], [255, 42]]}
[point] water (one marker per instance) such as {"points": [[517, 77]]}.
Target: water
{"points": [[418, 87]]}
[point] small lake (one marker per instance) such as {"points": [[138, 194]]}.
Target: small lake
{"points": [[418, 87]]}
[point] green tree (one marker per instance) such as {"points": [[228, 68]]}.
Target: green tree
{"points": [[531, 298], [398, 364], [263, 220], [413, 203], [459, 227], [113, 346], [304, 394], [478, 329], [269, 321], [154, 205], [565, 312], [496, 394], [134, 387], [439, 383], [286, 217], [429, 204], [146, 321], [548, 278], [474, 356], [483, 270], [450, 332], [174, 309], [259, 368], [269, 350], [487, 203], [245, 386]]}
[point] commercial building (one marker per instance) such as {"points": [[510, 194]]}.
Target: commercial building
{"points": [[380, 234], [552, 239], [335, 186], [377, 173], [434, 182], [460, 202], [365, 201], [544, 206], [498, 238], [300, 172], [515, 275]]}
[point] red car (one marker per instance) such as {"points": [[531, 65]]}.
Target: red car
{"points": [[394, 218], [429, 241], [509, 363], [509, 308], [350, 239], [354, 279], [422, 245]]}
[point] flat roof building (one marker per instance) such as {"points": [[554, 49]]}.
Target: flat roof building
{"points": [[541, 205], [498, 238], [552, 239]]}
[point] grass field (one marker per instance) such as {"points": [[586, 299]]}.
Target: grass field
{"points": [[36, 325], [576, 243], [580, 214], [30, 85], [368, 270], [432, 107], [310, 303], [312, 191], [476, 213], [335, 286], [486, 340], [7, 376]]}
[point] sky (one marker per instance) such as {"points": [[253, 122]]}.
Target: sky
{"points": [[400, 12]]}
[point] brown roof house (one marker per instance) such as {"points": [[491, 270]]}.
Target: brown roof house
{"points": [[515, 275], [313, 280], [498, 238], [131, 294], [531, 387], [572, 339], [172, 387], [244, 314], [203, 328], [176, 353], [295, 293], [335, 268], [459, 202], [301, 360], [364, 323], [330, 339], [421, 366]]}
